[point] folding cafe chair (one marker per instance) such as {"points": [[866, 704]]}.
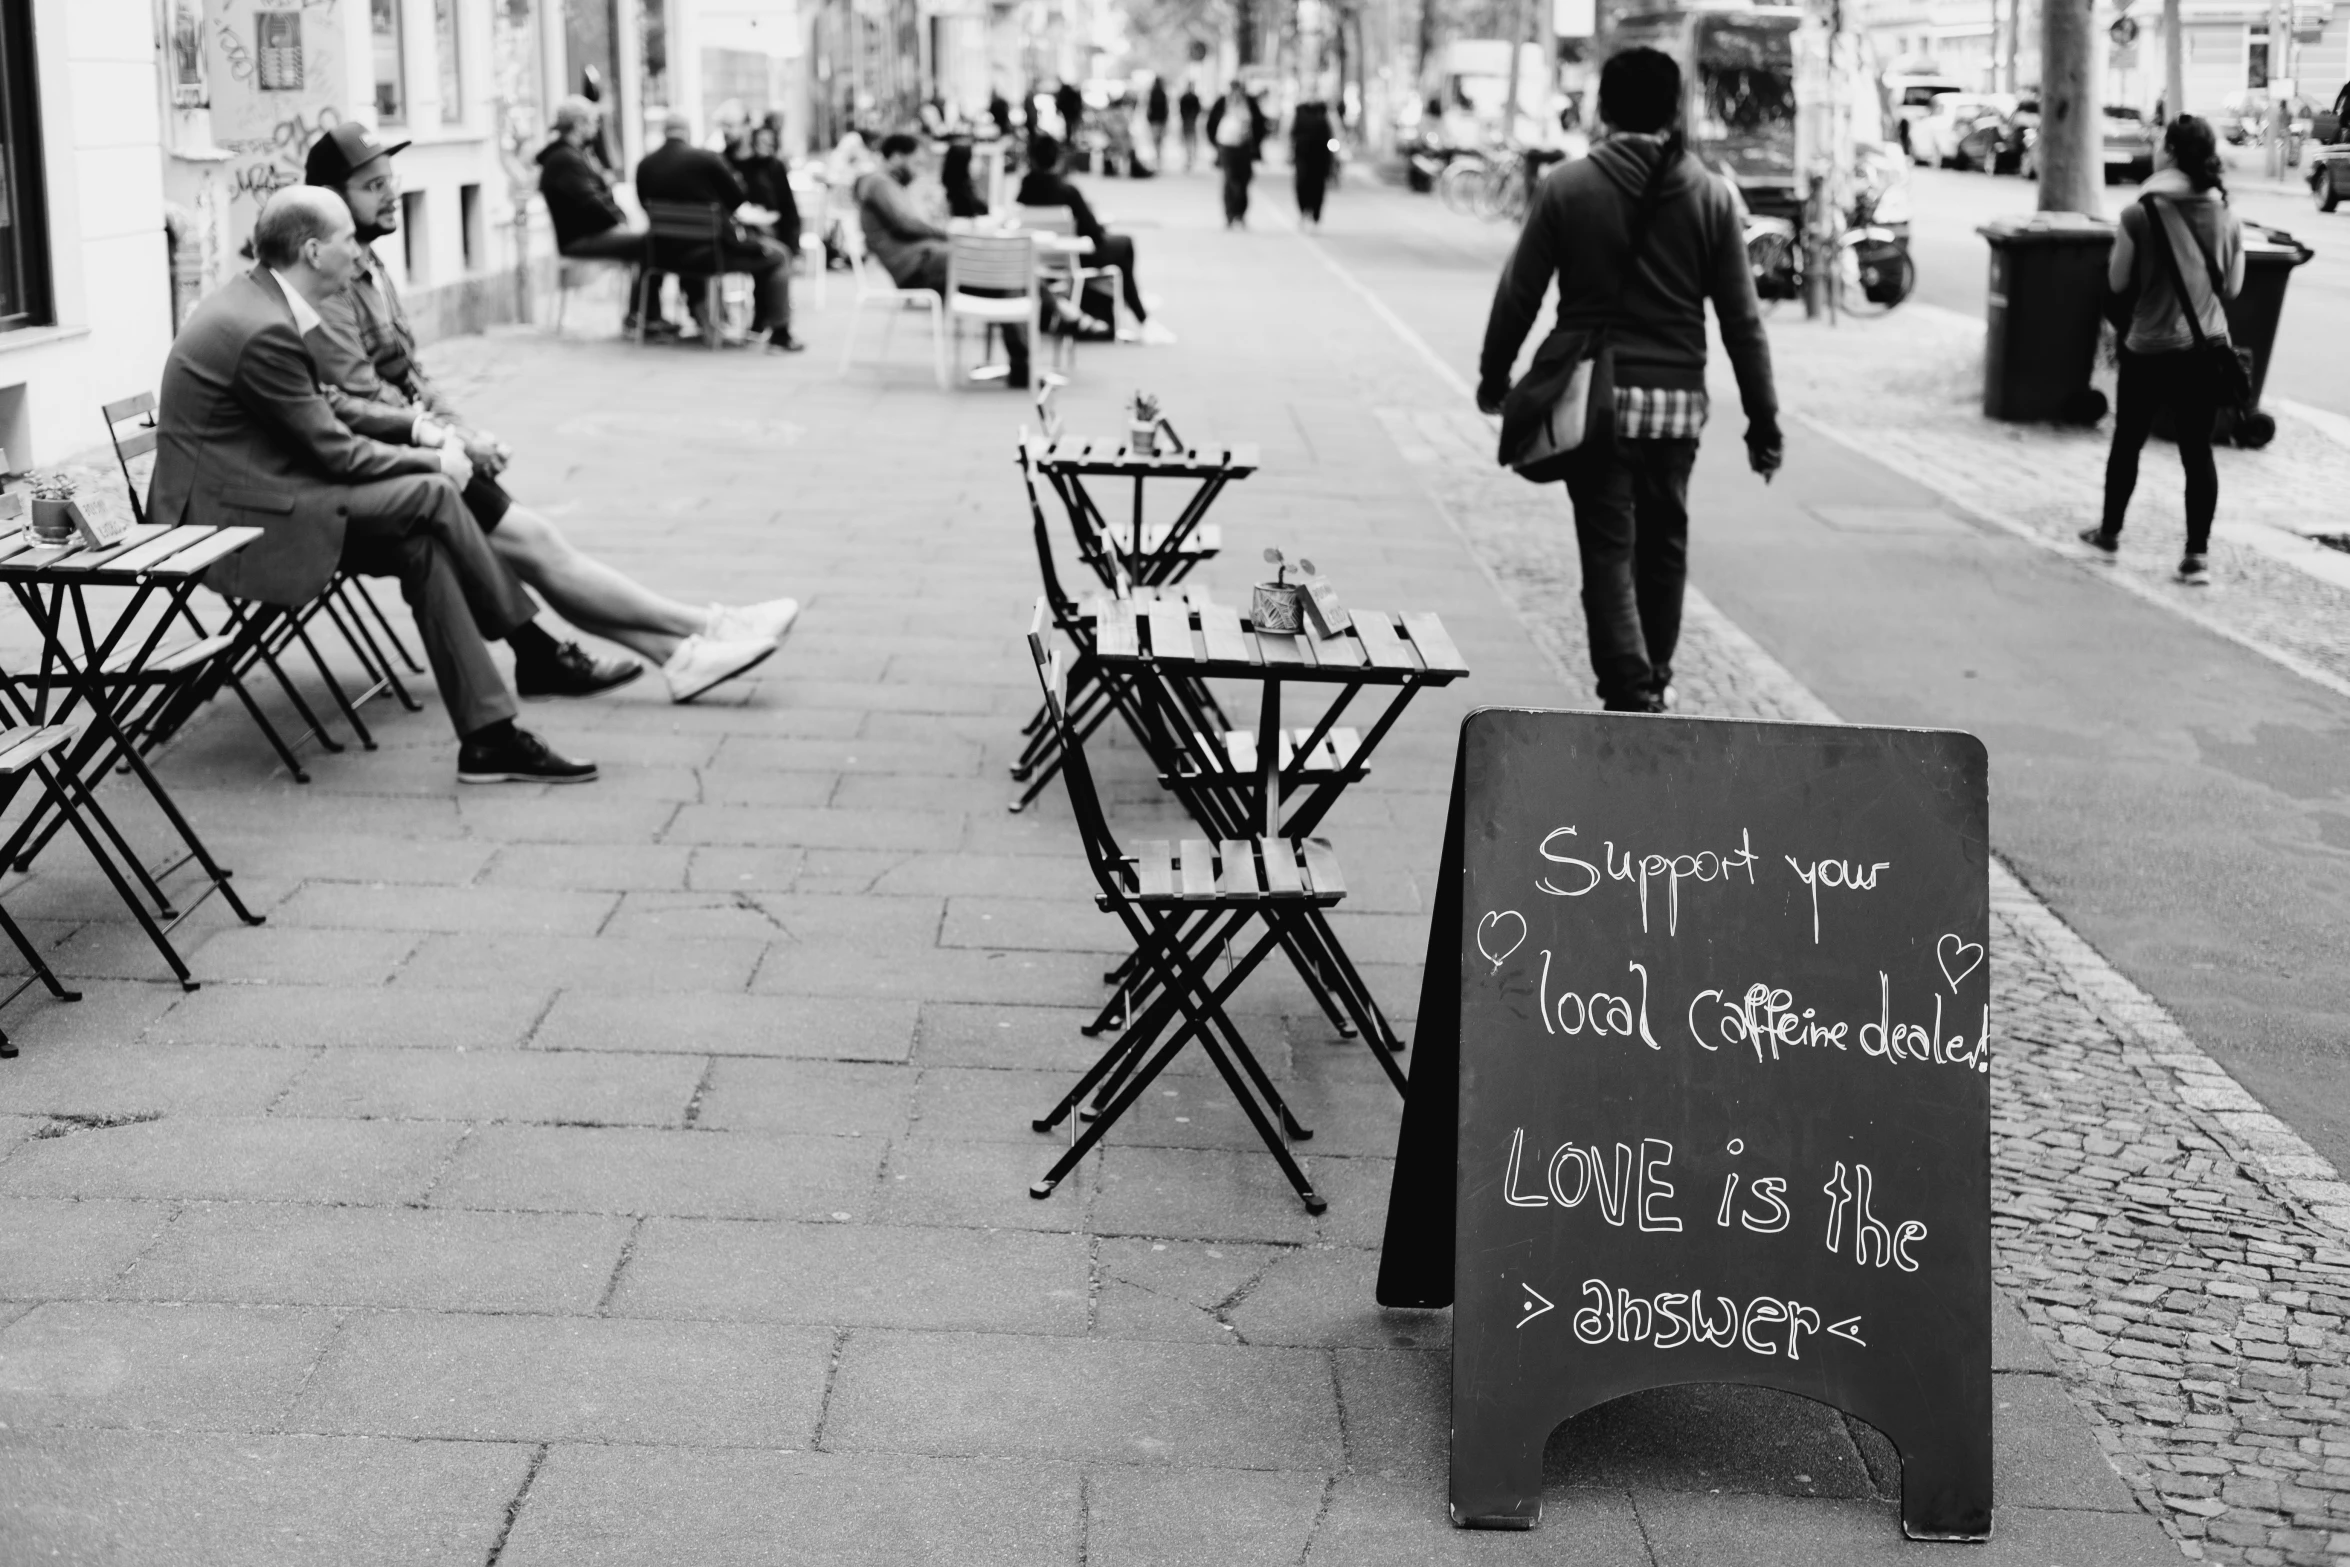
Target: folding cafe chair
{"points": [[689, 239], [874, 287], [1184, 905]]}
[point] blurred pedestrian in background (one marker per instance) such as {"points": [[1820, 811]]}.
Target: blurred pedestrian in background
{"points": [[1046, 185], [1069, 103], [963, 198], [2184, 207], [1187, 109], [1155, 115], [1312, 156], [768, 179], [1236, 127]]}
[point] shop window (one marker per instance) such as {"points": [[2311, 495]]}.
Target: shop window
{"points": [[24, 227], [447, 55], [391, 73], [471, 229]]}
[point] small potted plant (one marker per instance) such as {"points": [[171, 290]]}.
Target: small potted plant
{"points": [[1274, 606], [56, 515], [1142, 426]]}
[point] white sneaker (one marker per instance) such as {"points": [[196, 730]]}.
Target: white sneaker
{"points": [[702, 662], [1152, 332], [765, 622]]}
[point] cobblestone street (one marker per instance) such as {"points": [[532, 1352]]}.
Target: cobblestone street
{"points": [[639, 1173]]}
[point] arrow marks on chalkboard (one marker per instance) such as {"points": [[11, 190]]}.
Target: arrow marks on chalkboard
{"points": [[1848, 1328], [1489, 933], [1533, 1311], [1958, 957]]}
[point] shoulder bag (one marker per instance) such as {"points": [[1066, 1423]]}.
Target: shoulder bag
{"points": [[2226, 369], [1566, 400]]}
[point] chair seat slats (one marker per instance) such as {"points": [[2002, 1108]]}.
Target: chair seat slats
{"points": [[1170, 633], [1154, 869], [1115, 632], [1322, 866], [1239, 878], [1199, 869], [1282, 877], [20, 748], [1219, 626]]}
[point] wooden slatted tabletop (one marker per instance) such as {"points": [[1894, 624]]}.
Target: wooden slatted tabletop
{"points": [[1208, 639], [1102, 457], [145, 552]]}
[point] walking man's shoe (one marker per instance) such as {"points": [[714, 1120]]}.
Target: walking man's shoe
{"points": [[571, 671], [503, 753], [2099, 539], [785, 343], [705, 661], [2194, 572]]}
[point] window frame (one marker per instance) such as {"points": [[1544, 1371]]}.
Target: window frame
{"points": [[23, 172], [449, 59], [398, 11]]}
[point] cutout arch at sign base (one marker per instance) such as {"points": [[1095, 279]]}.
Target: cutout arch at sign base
{"points": [[1701, 1089]]}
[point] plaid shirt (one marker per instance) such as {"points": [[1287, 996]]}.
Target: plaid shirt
{"points": [[1658, 413], [366, 346]]}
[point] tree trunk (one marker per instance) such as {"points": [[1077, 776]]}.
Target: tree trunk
{"points": [[2071, 148], [2174, 62]]}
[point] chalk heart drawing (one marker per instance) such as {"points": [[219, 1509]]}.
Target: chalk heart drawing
{"points": [[1958, 959], [1489, 930]]}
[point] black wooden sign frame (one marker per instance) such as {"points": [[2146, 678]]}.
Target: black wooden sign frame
{"points": [[1701, 1088]]}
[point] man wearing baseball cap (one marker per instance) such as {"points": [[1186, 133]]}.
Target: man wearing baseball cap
{"points": [[367, 350]]}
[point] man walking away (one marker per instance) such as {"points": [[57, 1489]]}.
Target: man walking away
{"points": [[1154, 114], [1187, 109], [912, 249], [1237, 128], [679, 171], [1631, 491], [1310, 157]]}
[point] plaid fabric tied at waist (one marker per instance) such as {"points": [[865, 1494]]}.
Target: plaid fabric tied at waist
{"points": [[1660, 413]]}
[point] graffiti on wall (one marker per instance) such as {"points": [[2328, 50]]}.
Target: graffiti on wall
{"points": [[278, 79]]}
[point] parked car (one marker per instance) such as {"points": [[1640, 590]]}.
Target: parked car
{"points": [[1997, 145], [2329, 175], [2129, 143], [1936, 138], [1908, 97]]}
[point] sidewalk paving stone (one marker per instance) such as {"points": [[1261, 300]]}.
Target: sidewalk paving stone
{"points": [[176, 1367], [68, 1248], [389, 907], [622, 1507], [1372, 1525], [839, 1098], [426, 1260], [719, 1175], [580, 963], [602, 1088], [167, 1499], [1042, 1397], [568, 1378], [347, 1016], [236, 1158], [822, 1027], [135, 1079], [858, 1275], [1236, 1518]]}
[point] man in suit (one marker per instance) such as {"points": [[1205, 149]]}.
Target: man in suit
{"points": [[247, 438], [367, 354], [679, 171]]}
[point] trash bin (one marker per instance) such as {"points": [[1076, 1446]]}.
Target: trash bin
{"points": [[2270, 255], [2047, 291]]}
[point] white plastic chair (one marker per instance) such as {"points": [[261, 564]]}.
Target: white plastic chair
{"points": [[1069, 269], [874, 287], [814, 199], [1004, 266]]}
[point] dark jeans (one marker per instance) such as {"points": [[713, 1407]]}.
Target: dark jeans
{"points": [[1239, 168], [1631, 503], [2148, 383], [1116, 250], [1311, 183], [417, 529]]}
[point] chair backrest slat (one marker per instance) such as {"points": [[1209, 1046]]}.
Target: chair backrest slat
{"points": [[1046, 220], [139, 441], [129, 407], [1085, 802], [991, 261], [1063, 606]]}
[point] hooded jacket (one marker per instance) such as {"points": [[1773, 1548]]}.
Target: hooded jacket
{"points": [[578, 197], [1578, 232]]}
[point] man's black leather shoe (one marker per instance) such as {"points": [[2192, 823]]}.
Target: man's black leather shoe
{"points": [[571, 670], [517, 756]]}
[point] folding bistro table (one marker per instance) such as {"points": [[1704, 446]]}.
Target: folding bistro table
{"points": [[1274, 783], [1153, 554], [115, 676]]}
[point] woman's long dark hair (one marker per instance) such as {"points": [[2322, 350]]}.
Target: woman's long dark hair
{"points": [[2195, 149]]}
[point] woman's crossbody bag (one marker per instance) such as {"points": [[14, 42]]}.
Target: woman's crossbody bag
{"points": [[2226, 369], [1566, 400]]}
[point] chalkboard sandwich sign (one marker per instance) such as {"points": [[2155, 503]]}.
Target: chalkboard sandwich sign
{"points": [[1702, 1088]]}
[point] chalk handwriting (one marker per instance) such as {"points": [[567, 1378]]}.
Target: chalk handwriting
{"points": [[1602, 1012], [1706, 865], [1766, 1020], [1834, 873], [1874, 1244], [1958, 957], [1494, 925], [1670, 1319], [1632, 1186]]}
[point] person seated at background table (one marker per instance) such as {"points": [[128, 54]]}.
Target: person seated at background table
{"points": [[963, 198], [366, 352], [768, 180], [245, 437], [588, 223], [1047, 186], [679, 171], [912, 249]]}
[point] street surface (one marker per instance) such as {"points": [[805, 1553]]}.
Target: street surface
{"points": [[638, 1173]]}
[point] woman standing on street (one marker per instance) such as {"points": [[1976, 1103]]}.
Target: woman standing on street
{"points": [[2185, 209], [1310, 156]]}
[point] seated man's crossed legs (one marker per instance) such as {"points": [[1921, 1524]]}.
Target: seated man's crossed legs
{"points": [[694, 649], [416, 528]]}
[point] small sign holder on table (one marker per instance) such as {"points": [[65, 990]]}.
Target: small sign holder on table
{"points": [[1701, 1088]]}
